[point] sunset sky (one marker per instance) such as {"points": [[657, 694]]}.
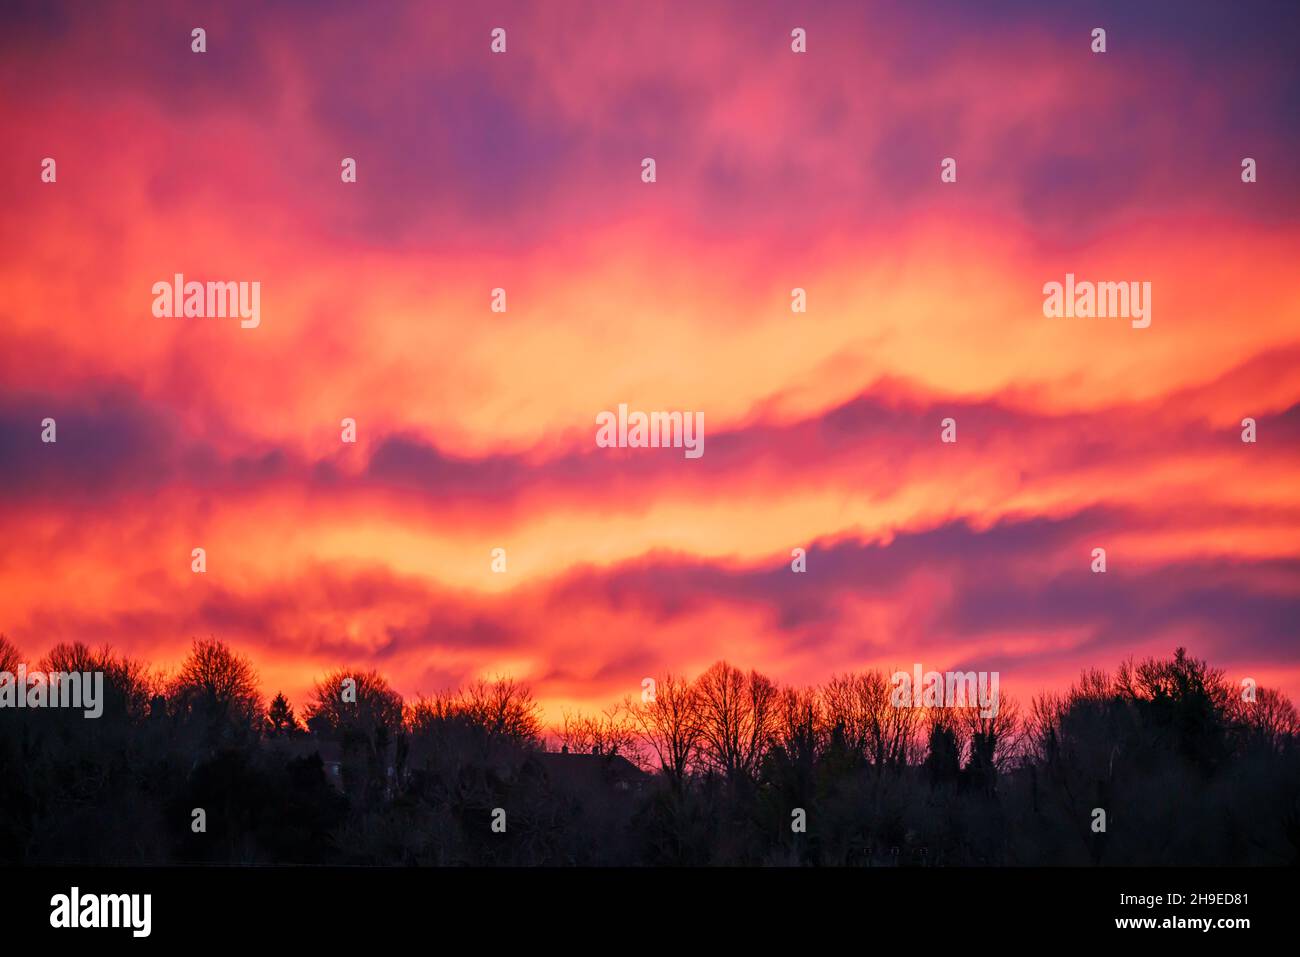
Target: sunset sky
{"points": [[476, 429]]}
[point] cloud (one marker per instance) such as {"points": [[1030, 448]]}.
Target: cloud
{"points": [[476, 428]]}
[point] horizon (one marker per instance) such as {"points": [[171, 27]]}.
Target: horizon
{"points": [[160, 681]]}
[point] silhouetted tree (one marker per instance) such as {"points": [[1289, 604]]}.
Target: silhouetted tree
{"points": [[1184, 701], [737, 754], [280, 719], [360, 711], [668, 723], [504, 708], [994, 740], [861, 707], [943, 757], [800, 728], [610, 733], [10, 658], [351, 703], [1269, 722], [128, 687], [216, 688], [737, 715]]}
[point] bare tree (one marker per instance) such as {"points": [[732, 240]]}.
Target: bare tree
{"points": [[1182, 678], [995, 741], [348, 702], [1270, 719], [10, 657], [668, 723], [737, 717], [217, 682], [610, 732], [360, 711], [127, 683], [1042, 726], [859, 708], [503, 708], [430, 715], [800, 726], [848, 714]]}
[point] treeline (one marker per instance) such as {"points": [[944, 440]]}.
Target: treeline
{"points": [[1163, 761]]}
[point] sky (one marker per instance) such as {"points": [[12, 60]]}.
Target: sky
{"points": [[774, 170]]}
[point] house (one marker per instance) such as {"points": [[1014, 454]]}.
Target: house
{"points": [[592, 773]]}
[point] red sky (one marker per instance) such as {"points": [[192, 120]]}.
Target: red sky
{"points": [[476, 429]]}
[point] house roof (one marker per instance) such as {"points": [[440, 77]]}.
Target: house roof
{"points": [[591, 770]]}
